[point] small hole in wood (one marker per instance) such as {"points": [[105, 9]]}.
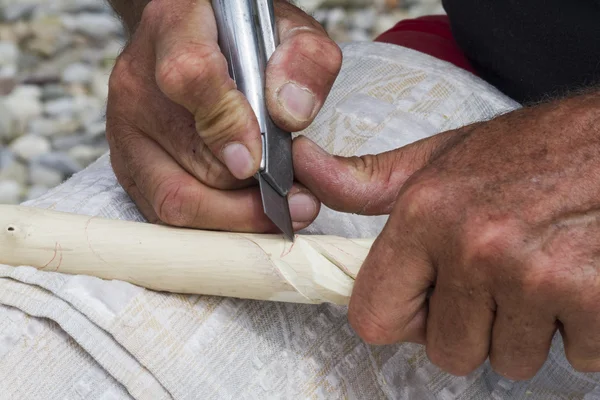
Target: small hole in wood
{"points": [[11, 229]]}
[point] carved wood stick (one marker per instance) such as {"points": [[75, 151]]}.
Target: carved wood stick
{"points": [[314, 269]]}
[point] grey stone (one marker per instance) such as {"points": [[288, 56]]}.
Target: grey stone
{"points": [[48, 36], [77, 6], [21, 109], [80, 106], [53, 91], [60, 107], [85, 155], [10, 192], [77, 73], [67, 142], [27, 91], [43, 176], [8, 79], [11, 168], [363, 20], [30, 146], [100, 84], [53, 127], [8, 128], [15, 11], [59, 161], [96, 130], [9, 53], [97, 26]]}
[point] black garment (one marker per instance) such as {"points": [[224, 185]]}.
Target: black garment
{"points": [[530, 49]]}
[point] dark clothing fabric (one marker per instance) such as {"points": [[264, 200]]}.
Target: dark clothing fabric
{"points": [[530, 49]]}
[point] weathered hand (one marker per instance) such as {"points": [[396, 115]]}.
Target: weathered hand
{"points": [[184, 142], [498, 221]]}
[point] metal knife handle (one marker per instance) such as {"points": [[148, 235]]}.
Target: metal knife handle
{"points": [[248, 38]]}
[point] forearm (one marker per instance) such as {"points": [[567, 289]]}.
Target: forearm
{"points": [[130, 12]]}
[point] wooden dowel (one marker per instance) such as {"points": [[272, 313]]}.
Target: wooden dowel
{"points": [[314, 269]]}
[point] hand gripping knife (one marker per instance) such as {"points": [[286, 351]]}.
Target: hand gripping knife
{"points": [[248, 38]]}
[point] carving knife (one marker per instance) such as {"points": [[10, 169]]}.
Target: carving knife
{"points": [[248, 38]]}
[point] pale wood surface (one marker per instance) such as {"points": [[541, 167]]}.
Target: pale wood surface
{"points": [[313, 269]]}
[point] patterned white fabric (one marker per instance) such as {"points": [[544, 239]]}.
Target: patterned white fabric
{"points": [[77, 337]]}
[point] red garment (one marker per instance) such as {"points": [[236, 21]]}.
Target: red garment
{"points": [[430, 35]]}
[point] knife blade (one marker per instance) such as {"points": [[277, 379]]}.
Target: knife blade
{"points": [[248, 38]]}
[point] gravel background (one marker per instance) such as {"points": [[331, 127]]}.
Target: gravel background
{"points": [[55, 60]]}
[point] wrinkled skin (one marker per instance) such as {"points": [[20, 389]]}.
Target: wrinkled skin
{"points": [[498, 221], [184, 142], [493, 240]]}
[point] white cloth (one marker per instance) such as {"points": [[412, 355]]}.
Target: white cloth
{"points": [[77, 337]]}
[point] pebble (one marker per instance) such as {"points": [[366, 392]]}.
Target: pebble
{"points": [[59, 161], [95, 130], [64, 143], [53, 91], [8, 79], [21, 110], [10, 192], [82, 106], [100, 84], [97, 26], [8, 130], [9, 53], [11, 168], [56, 57], [85, 155], [41, 175], [30, 146], [53, 127], [77, 73]]}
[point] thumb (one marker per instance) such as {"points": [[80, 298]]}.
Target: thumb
{"points": [[366, 185]]}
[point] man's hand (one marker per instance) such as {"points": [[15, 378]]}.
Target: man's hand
{"points": [[184, 142], [499, 222]]}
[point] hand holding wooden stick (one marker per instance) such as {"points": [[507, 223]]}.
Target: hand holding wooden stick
{"points": [[314, 269]]}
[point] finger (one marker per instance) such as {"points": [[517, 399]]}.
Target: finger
{"points": [[173, 127], [521, 338], [192, 72], [366, 185], [459, 324], [179, 199], [389, 299], [581, 340], [302, 70]]}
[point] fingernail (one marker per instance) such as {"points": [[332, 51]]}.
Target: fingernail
{"points": [[238, 160], [303, 207], [298, 102]]}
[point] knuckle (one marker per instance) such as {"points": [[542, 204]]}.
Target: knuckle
{"points": [[173, 203], [552, 277], [189, 69], [319, 49], [334, 58], [226, 121], [370, 326], [421, 199], [121, 74], [484, 241], [152, 13], [123, 86]]}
